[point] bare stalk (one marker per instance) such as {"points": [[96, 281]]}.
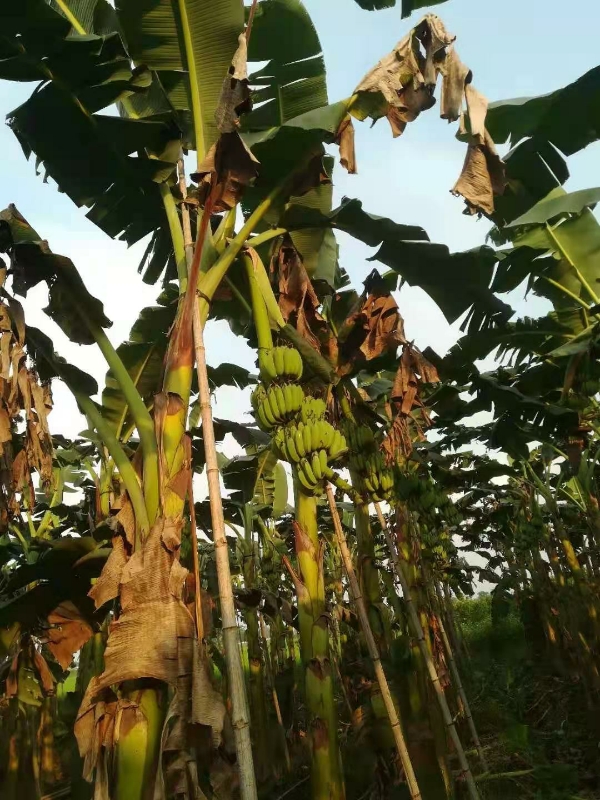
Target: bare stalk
{"points": [[235, 673], [361, 609], [417, 629]]}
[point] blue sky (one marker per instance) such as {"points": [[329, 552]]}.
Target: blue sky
{"points": [[514, 49]]}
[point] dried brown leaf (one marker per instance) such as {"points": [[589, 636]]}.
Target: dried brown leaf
{"points": [[228, 168], [298, 301], [481, 178], [235, 93], [150, 589], [405, 77], [107, 586], [413, 370], [345, 140], [477, 106], [5, 428], [21, 477], [373, 327], [455, 77], [126, 519], [43, 671], [68, 632]]}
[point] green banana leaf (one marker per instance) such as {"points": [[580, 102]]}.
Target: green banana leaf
{"points": [[192, 39], [95, 17], [558, 205], [293, 81], [408, 6], [569, 118], [257, 478], [49, 365], [33, 262]]}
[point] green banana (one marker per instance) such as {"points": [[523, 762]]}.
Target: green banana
{"points": [[306, 435], [266, 409], [279, 361], [315, 463], [291, 446], [283, 409], [275, 410], [257, 396], [266, 365], [287, 397], [323, 460], [328, 434], [334, 443], [288, 362], [299, 442], [314, 435], [281, 446], [262, 419], [304, 482], [296, 362], [305, 464]]}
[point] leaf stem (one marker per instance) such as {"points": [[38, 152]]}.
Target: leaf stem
{"points": [[568, 292], [176, 235], [566, 255], [266, 236], [122, 463], [259, 309], [188, 47], [71, 17], [139, 412]]}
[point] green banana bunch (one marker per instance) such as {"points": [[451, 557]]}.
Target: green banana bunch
{"points": [[309, 447], [375, 479], [300, 440], [276, 405], [313, 408], [279, 363], [360, 438]]}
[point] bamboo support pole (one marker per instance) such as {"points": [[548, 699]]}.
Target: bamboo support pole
{"points": [[235, 672]]}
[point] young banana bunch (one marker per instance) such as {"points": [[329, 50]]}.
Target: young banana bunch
{"points": [[302, 436], [279, 364], [277, 399], [376, 481], [310, 443], [276, 405]]}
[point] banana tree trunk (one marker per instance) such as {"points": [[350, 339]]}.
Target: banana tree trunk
{"points": [[256, 693], [363, 616], [417, 629], [274, 695], [326, 770], [458, 684], [369, 575]]}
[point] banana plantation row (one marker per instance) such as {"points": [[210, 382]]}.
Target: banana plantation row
{"points": [[302, 631]]}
